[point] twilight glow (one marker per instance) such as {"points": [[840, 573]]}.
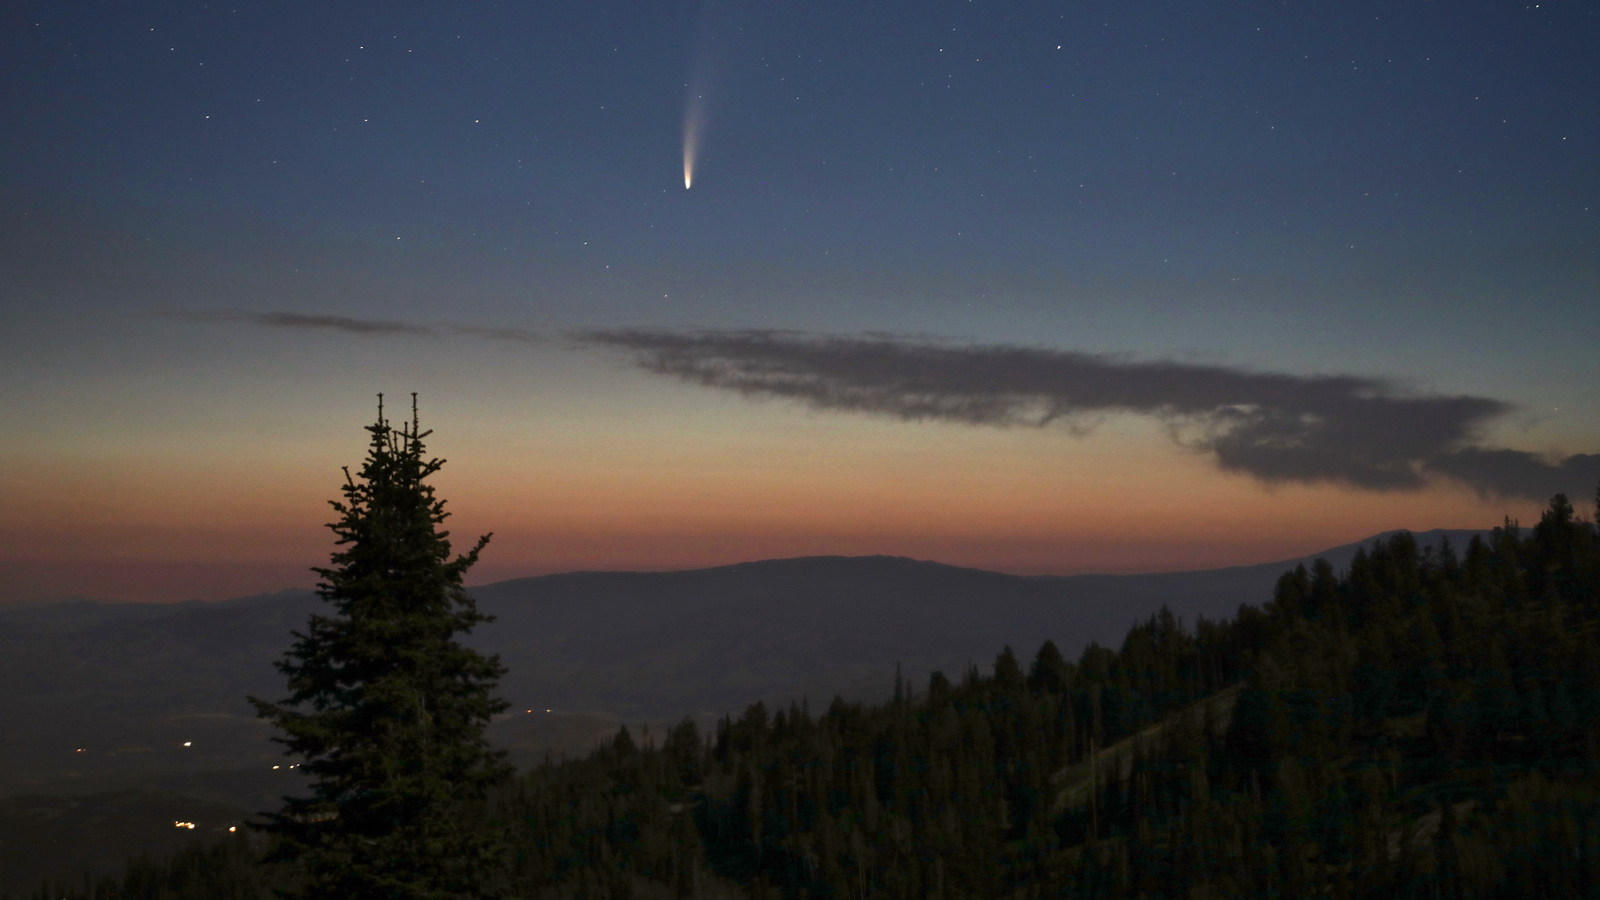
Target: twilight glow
{"points": [[1103, 288]]}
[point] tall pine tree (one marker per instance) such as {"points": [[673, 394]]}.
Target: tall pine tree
{"points": [[386, 708]]}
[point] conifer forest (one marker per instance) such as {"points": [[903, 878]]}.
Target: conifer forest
{"points": [[1425, 724], [895, 450]]}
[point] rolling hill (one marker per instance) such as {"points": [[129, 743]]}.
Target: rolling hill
{"points": [[103, 696]]}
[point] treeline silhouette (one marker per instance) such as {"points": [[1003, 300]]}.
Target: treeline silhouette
{"points": [[1426, 724]]}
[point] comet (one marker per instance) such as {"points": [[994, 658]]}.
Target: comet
{"points": [[693, 121], [697, 94]]}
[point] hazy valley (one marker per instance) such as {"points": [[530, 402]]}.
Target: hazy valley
{"points": [[120, 715]]}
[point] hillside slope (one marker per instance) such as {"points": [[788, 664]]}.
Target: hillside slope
{"points": [[130, 684]]}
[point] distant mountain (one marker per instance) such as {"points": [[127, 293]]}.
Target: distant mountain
{"points": [[99, 695], [653, 645]]}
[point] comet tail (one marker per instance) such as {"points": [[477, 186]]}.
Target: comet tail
{"points": [[691, 139]]}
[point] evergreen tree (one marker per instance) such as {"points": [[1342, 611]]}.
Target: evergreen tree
{"points": [[385, 707], [1420, 727]]}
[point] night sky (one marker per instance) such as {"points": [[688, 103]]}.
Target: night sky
{"points": [[1038, 287]]}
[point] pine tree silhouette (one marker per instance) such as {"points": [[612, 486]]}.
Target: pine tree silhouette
{"points": [[385, 708]]}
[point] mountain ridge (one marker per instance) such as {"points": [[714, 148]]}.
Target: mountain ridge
{"points": [[1333, 554], [131, 683]]}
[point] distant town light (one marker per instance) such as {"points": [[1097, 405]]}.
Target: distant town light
{"points": [[233, 828], [188, 825], [187, 743]]}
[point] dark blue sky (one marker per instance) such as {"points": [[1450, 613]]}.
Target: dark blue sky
{"points": [[1405, 192], [1160, 138]]}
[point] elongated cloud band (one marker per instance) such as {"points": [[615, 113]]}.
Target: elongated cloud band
{"points": [[1277, 428], [374, 327], [1274, 427]]}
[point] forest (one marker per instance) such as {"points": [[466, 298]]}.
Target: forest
{"points": [[1425, 724]]}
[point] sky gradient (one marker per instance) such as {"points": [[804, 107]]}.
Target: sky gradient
{"points": [[224, 229]]}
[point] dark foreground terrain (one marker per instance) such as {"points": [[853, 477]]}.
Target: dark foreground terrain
{"points": [[103, 696], [706, 625]]}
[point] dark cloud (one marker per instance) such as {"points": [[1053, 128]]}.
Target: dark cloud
{"points": [[1274, 427], [1517, 473], [1277, 428], [349, 325], [303, 321]]}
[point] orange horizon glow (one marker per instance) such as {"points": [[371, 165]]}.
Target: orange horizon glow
{"points": [[174, 515], [138, 563], [172, 580]]}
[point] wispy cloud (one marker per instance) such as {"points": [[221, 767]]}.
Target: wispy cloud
{"points": [[348, 325], [517, 335], [1351, 430], [1278, 428]]}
